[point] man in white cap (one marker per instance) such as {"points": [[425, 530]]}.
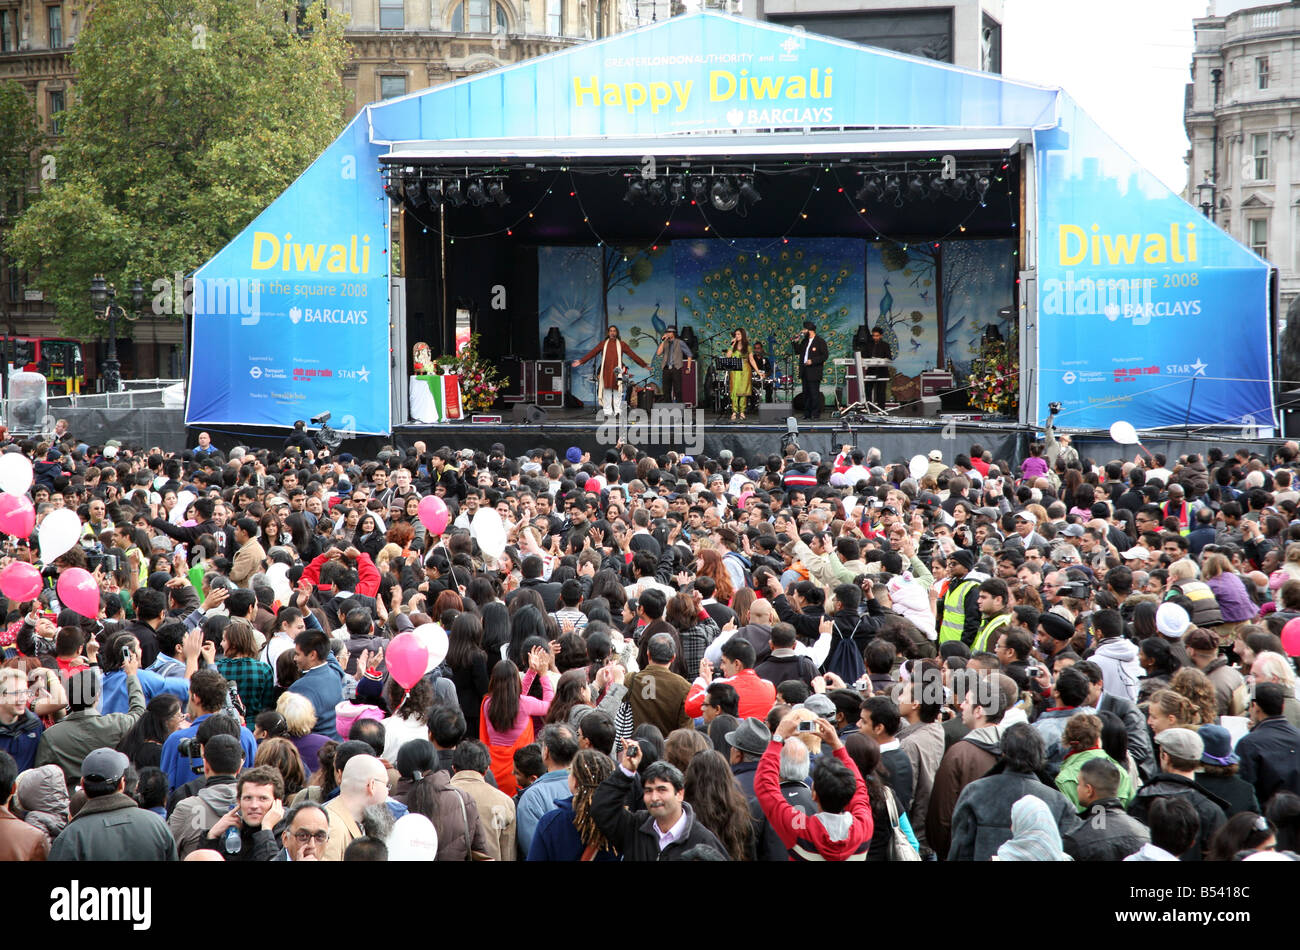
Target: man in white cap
{"points": [[936, 466], [1026, 522], [1172, 622]]}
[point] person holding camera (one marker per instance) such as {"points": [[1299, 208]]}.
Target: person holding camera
{"points": [[666, 830]]}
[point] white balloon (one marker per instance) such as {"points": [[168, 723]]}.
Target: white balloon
{"points": [[919, 465], [413, 838], [489, 531], [15, 473], [183, 501], [60, 530], [1124, 433], [435, 642]]}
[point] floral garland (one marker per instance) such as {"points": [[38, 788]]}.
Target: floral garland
{"points": [[995, 377], [479, 380]]}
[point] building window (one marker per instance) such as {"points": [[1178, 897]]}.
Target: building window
{"points": [[392, 86], [1261, 71], [54, 16], [392, 15], [555, 17], [1257, 236], [7, 31], [57, 105], [479, 17], [1259, 152]]}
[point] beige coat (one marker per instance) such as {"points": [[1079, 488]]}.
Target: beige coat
{"points": [[496, 811]]}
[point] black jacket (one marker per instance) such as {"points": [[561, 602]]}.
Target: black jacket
{"points": [[634, 833], [549, 591], [1239, 795], [1270, 758], [817, 355], [1210, 808], [1107, 834], [1139, 736]]}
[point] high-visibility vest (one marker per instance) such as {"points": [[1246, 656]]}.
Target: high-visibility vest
{"points": [[988, 632], [1183, 515], [954, 612]]}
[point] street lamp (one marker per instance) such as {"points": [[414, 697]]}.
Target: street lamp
{"points": [[103, 301], [1205, 197]]}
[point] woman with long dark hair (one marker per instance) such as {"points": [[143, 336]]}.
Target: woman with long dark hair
{"points": [[370, 536], [719, 804], [1159, 663], [572, 690], [468, 663], [496, 630], [739, 381], [865, 753], [505, 721], [305, 541], [272, 532], [143, 743], [568, 832]]}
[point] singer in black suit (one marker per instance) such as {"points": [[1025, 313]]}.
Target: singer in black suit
{"points": [[876, 377], [812, 354]]}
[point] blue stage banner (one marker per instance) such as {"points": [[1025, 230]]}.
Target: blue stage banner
{"points": [[708, 72], [1147, 312], [291, 318]]}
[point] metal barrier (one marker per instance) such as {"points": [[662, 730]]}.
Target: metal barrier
{"points": [[151, 398]]}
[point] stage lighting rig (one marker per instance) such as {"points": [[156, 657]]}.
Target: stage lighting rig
{"points": [[699, 189], [749, 192], [415, 193], [497, 192], [477, 196], [981, 187], [658, 191], [916, 187], [677, 188], [635, 192], [893, 189], [871, 190], [452, 195]]}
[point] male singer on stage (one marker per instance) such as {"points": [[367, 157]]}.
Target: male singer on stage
{"points": [[812, 353], [609, 387], [676, 355], [877, 376]]}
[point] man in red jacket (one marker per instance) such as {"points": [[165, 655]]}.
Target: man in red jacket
{"points": [[757, 695], [841, 830]]}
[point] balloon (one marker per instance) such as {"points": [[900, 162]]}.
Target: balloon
{"points": [[17, 516], [413, 838], [1290, 636], [15, 473], [918, 466], [20, 581], [77, 589], [434, 514], [58, 533], [183, 501], [1123, 433], [489, 531], [406, 659], [434, 639]]}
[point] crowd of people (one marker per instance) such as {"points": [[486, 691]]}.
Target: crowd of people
{"points": [[669, 658]]}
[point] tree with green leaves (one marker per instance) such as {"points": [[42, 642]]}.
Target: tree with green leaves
{"points": [[18, 143], [189, 117]]}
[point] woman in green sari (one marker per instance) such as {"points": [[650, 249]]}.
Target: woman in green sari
{"points": [[740, 380]]}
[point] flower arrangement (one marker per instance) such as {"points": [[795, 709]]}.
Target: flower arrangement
{"points": [[995, 376], [479, 380]]}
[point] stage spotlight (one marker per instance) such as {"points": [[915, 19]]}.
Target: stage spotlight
{"points": [[915, 187], [723, 195], [658, 191], [958, 186], [893, 188], [699, 188], [871, 190], [677, 187], [394, 191], [749, 192], [434, 190], [981, 187], [635, 192], [497, 192], [477, 196], [451, 194], [415, 193], [937, 187]]}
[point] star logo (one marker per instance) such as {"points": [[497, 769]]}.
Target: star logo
{"points": [[1198, 368], [295, 314], [255, 372], [363, 374]]}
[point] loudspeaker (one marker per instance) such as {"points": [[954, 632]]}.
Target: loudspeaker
{"points": [[773, 410], [821, 401], [532, 415]]}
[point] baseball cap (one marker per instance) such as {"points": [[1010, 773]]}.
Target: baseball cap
{"points": [[105, 766], [1135, 553], [1072, 531], [936, 455], [1027, 516], [1183, 743]]}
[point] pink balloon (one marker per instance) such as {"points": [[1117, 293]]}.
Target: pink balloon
{"points": [[407, 659], [77, 589], [1291, 637], [17, 516], [20, 581], [434, 514]]}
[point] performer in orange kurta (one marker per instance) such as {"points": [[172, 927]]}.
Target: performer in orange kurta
{"points": [[608, 386]]}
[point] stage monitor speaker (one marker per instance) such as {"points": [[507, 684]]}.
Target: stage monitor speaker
{"points": [[531, 415], [691, 385], [821, 400], [768, 411]]}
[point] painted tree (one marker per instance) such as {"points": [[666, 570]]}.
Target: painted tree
{"points": [[189, 118]]}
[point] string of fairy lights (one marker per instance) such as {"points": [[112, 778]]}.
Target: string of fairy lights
{"points": [[722, 189]]}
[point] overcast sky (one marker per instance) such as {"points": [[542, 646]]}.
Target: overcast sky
{"points": [[1126, 62]]}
